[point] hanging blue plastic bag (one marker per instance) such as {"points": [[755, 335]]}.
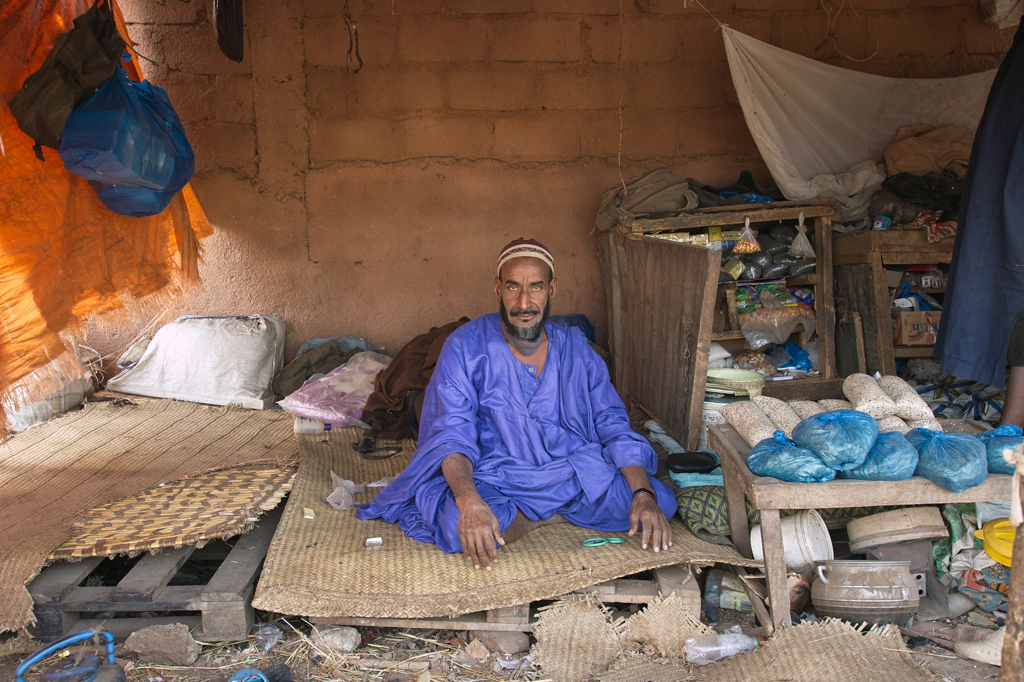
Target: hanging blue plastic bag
{"points": [[783, 459], [130, 144], [954, 461], [842, 439], [997, 440], [892, 459]]}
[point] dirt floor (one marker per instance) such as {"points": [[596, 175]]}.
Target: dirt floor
{"points": [[395, 655]]}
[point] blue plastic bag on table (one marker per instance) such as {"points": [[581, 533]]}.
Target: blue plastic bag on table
{"points": [[842, 439], [997, 440], [129, 143], [954, 461], [892, 458], [783, 459]]}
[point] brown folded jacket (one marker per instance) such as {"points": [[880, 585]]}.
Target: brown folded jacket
{"points": [[393, 409]]}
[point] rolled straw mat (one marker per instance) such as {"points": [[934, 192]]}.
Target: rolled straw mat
{"points": [[321, 567], [809, 652], [52, 473], [210, 506]]}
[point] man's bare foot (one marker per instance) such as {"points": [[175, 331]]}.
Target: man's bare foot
{"points": [[521, 525]]}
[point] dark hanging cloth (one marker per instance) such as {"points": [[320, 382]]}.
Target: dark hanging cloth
{"points": [[985, 292], [393, 409]]}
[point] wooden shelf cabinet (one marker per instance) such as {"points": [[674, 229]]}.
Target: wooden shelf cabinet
{"points": [[661, 296], [860, 286]]}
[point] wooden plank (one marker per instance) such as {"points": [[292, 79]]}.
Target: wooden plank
{"points": [[148, 577], [734, 215], [824, 305], [681, 581], [733, 316], [913, 351], [623, 591], [56, 581], [850, 345], [470, 621], [610, 253], [176, 598], [121, 628], [882, 311], [518, 614], [859, 244], [756, 598], [238, 571], [727, 335], [671, 290], [775, 567], [855, 292], [804, 389]]}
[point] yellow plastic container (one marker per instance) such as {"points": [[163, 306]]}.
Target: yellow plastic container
{"points": [[997, 538]]}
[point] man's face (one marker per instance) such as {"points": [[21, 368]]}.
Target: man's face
{"points": [[525, 289]]}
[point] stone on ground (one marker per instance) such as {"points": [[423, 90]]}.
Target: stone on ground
{"points": [[477, 650], [164, 645], [503, 642], [341, 640]]}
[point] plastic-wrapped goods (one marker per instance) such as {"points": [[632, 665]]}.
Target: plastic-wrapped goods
{"points": [[892, 459], [784, 234], [769, 245], [834, 404], [805, 408], [781, 414], [930, 424], [842, 439], [997, 440], [749, 421], [954, 461], [867, 396], [801, 246], [129, 143], [338, 397], [747, 242], [892, 424], [783, 459], [909, 405]]}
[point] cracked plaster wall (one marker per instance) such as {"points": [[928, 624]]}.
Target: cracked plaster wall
{"points": [[373, 204]]}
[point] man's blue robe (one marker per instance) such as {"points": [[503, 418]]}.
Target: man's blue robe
{"points": [[542, 446]]}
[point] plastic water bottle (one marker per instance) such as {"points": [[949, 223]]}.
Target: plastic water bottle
{"points": [[711, 648], [309, 426]]}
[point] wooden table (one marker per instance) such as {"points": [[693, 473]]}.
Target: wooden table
{"points": [[770, 495]]}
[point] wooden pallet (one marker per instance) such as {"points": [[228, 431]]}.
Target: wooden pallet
{"points": [[219, 611], [678, 579]]}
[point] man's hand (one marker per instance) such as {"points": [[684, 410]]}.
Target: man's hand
{"points": [[479, 531], [645, 512]]}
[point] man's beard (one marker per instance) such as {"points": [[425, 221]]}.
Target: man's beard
{"points": [[528, 334]]}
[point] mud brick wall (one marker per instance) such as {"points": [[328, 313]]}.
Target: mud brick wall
{"points": [[374, 203]]}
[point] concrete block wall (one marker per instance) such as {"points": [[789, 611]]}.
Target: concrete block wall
{"points": [[373, 203]]}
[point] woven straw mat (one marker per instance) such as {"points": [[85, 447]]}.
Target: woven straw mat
{"points": [[53, 473], [210, 506], [809, 652], [320, 567]]}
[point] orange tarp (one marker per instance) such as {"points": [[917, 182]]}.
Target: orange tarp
{"points": [[63, 255]]}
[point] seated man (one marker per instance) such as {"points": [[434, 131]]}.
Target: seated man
{"points": [[521, 426]]}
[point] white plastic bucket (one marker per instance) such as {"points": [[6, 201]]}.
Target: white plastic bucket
{"points": [[712, 404], [805, 540]]}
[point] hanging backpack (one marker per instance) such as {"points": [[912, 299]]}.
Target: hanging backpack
{"points": [[81, 60]]}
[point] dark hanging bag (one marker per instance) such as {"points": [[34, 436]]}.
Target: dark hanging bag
{"points": [[81, 60]]}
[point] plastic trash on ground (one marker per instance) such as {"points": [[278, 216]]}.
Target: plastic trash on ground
{"points": [[339, 397], [892, 459], [266, 636], [343, 495], [997, 440], [842, 439], [954, 461], [711, 648], [783, 459]]}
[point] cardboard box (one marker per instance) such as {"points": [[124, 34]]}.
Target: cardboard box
{"points": [[915, 328], [893, 278]]}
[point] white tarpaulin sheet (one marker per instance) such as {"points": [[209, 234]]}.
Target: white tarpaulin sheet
{"points": [[822, 129]]}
